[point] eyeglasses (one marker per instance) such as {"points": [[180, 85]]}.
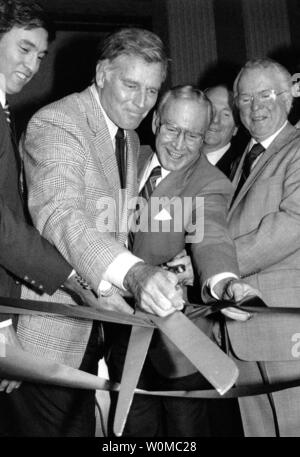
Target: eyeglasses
{"points": [[263, 96], [172, 132]]}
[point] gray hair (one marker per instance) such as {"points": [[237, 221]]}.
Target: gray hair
{"points": [[136, 42], [187, 93], [264, 64]]}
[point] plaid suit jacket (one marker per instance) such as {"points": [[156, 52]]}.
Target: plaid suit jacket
{"points": [[73, 188], [264, 222]]}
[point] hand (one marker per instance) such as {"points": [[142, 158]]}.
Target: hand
{"points": [[155, 290], [186, 277], [115, 303], [9, 385], [236, 290]]}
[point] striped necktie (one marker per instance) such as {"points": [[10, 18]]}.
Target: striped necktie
{"points": [[256, 150], [150, 184], [145, 193]]}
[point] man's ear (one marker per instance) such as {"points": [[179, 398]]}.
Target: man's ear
{"points": [[295, 90], [155, 122], [235, 130], [101, 72]]}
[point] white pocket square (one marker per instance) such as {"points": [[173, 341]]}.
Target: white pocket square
{"points": [[163, 215]]}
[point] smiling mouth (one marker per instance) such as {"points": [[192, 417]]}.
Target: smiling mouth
{"points": [[175, 155], [22, 77]]}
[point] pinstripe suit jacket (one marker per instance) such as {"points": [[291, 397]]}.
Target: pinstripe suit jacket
{"points": [[264, 222], [73, 179]]}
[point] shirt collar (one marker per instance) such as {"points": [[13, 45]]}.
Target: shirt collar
{"points": [[266, 143], [2, 90], [154, 162], [112, 128], [214, 156]]}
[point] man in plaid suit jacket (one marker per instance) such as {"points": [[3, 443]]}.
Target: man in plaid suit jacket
{"points": [[73, 180]]}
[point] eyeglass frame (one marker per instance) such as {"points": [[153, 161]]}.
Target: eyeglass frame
{"points": [[272, 95], [178, 131]]}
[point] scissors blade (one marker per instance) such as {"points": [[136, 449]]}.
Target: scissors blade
{"points": [[138, 345], [205, 355]]}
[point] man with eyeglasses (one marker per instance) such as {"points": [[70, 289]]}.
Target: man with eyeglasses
{"points": [[264, 221], [179, 124]]}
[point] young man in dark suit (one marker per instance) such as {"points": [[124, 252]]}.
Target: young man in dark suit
{"points": [[25, 257]]}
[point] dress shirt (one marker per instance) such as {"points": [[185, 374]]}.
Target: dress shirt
{"points": [[119, 267], [2, 90], [214, 156]]}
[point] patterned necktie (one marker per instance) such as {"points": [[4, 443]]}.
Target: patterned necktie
{"points": [[121, 156], [250, 158], [7, 113], [145, 193], [150, 184]]}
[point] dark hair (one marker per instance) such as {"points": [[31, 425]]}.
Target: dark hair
{"points": [[136, 42], [187, 92], [231, 102], [27, 14]]}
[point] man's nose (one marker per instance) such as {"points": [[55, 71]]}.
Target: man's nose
{"points": [[179, 140], [255, 103], [32, 63], [140, 99]]}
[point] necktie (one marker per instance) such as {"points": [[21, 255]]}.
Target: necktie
{"points": [[7, 113], [145, 193], [250, 158], [121, 156], [150, 184]]}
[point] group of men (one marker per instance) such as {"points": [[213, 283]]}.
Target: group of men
{"points": [[79, 154]]}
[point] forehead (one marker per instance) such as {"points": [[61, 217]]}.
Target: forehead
{"points": [[218, 96], [136, 69], [185, 112], [36, 37], [256, 79]]}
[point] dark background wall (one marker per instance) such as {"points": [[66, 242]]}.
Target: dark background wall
{"points": [[208, 40]]}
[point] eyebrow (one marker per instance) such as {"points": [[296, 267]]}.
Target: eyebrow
{"points": [[32, 45]]}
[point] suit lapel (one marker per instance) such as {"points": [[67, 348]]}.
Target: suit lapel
{"points": [[107, 159], [101, 139], [287, 134]]}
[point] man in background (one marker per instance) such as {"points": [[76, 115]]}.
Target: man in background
{"points": [[223, 144]]}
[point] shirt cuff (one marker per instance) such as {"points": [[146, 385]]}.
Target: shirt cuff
{"points": [[116, 272], [73, 272], [6, 323], [212, 282]]}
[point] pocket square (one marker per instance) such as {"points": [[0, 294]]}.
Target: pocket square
{"points": [[163, 215]]}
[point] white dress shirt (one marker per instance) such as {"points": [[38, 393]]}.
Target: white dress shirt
{"points": [[214, 156], [119, 267]]}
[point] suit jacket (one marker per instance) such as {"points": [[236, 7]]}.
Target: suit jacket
{"points": [[73, 189], [24, 255], [212, 253], [229, 159], [264, 221]]}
